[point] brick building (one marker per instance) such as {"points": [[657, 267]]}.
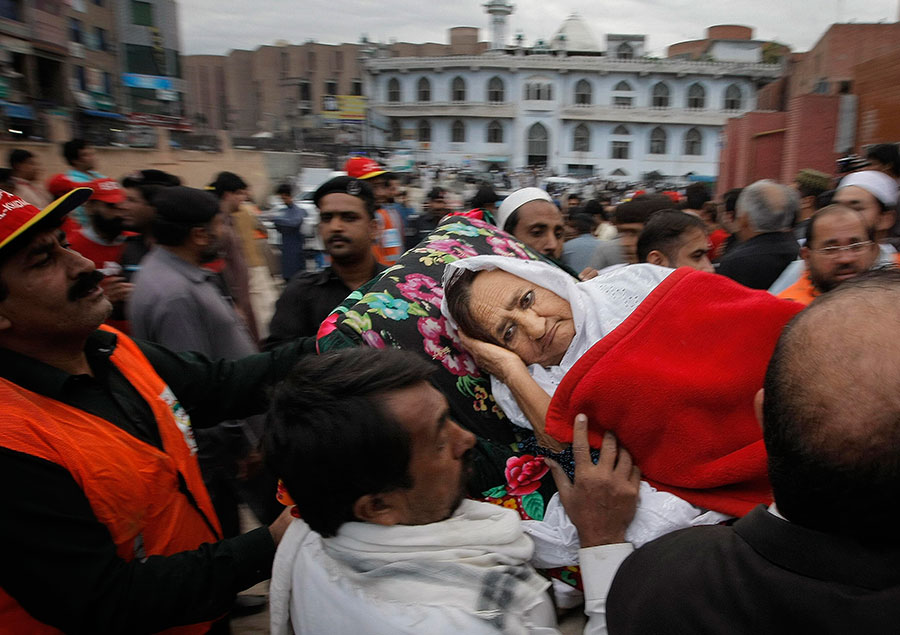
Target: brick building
{"points": [[877, 84]]}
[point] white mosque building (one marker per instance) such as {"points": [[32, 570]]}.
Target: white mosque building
{"points": [[569, 103]]}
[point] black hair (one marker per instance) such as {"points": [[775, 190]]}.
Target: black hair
{"points": [[72, 149], [18, 156], [150, 182], [284, 189], [227, 182], [327, 420], [436, 192], [730, 199], [639, 209], [595, 208], [348, 185], [888, 154], [583, 223], [824, 199], [484, 196], [830, 210], [512, 222], [573, 195], [695, 195], [827, 472], [663, 232]]}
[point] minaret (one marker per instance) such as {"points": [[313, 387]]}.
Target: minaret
{"points": [[498, 10]]}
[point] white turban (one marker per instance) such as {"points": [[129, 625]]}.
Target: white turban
{"points": [[517, 199], [878, 184]]}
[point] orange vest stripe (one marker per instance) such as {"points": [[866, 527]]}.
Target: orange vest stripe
{"points": [[152, 501]]}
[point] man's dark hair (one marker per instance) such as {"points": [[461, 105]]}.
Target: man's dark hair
{"points": [[436, 192], [832, 416], [577, 197], [329, 436], [18, 156], [730, 199], [484, 196], [595, 208], [830, 211], [581, 222], [640, 208], [663, 232], [824, 199], [227, 182], [695, 195], [71, 149], [285, 189], [348, 185], [178, 210], [149, 182], [888, 154]]}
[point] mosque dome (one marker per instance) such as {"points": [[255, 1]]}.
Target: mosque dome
{"points": [[574, 35]]}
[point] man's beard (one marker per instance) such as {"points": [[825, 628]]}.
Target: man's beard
{"points": [[824, 284], [107, 227]]}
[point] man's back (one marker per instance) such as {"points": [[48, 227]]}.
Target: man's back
{"points": [[758, 262], [763, 575]]}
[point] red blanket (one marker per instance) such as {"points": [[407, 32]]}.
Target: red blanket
{"points": [[675, 383]]}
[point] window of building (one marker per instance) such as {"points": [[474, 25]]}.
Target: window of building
{"points": [[100, 3], [458, 89], [424, 132], [658, 141], [141, 59], [495, 132], [458, 132], [624, 51], [107, 83], [495, 90], [305, 91], [660, 96], [79, 76], [101, 43], [423, 89], [393, 91], [356, 87], [696, 97], [11, 10], [620, 149], [539, 91], [733, 98], [623, 86], [285, 64], [621, 131], [618, 172], [583, 93], [538, 145], [331, 88], [339, 60], [620, 101], [693, 142], [76, 31], [581, 139], [396, 131], [141, 13]]}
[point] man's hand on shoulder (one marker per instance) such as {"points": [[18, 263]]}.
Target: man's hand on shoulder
{"points": [[603, 499]]}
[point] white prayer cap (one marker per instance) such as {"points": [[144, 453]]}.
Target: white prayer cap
{"points": [[878, 184], [517, 199]]}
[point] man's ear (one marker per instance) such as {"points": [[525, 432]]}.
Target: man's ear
{"points": [[886, 220], [656, 257], [379, 509], [199, 235], [804, 253], [758, 406], [373, 229]]}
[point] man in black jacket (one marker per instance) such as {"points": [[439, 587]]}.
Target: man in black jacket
{"points": [[825, 558]]}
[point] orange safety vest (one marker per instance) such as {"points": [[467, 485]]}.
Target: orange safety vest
{"points": [[801, 291], [389, 245], [152, 501]]}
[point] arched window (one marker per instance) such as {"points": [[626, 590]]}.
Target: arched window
{"points": [[424, 131], [539, 91], [537, 145], [693, 142], [396, 131], [618, 172], [583, 93], [660, 96], [620, 130], [623, 101], [393, 91], [423, 89], [495, 132], [696, 96], [458, 89], [733, 97], [624, 51], [623, 86], [458, 132], [581, 139], [658, 141], [495, 90]]}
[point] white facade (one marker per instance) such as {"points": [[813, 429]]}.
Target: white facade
{"points": [[600, 115]]}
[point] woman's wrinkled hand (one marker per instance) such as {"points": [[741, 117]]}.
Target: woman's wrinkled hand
{"points": [[496, 360]]}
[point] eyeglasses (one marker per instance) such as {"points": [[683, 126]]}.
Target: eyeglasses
{"points": [[853, 248]]}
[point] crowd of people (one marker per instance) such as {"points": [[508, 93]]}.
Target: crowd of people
{"points": [[719, 372]]}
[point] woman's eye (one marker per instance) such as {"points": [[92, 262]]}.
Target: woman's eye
{"points": [[527, 300], [508, 334]]}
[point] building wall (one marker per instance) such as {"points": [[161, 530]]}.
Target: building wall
{"points": [[877, 84], [752, 149]]}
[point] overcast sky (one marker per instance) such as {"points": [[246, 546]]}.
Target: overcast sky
{"points": [[216, 26]]}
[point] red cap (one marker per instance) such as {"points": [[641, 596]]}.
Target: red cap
{"points": [[363, 168], [106, 190], [17, 215], [59, 184]]}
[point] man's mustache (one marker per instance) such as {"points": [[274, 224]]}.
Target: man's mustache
{"points": [[84, 284]]}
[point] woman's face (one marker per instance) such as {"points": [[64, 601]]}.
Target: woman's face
{"points": [[526, 318]]}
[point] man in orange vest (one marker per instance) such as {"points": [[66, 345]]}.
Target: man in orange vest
{"points": [[389, 245], [107, 526], [839, 245]]}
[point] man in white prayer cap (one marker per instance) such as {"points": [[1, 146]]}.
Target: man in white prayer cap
{"points": [[532, 217]]}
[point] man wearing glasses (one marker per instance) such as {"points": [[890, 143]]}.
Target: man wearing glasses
{"points": [[839, 245]]}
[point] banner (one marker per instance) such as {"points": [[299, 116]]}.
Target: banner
{"points": [[344, 108]]}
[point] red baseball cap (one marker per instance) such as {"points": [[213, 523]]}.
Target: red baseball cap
{"points": [[363, 168], [17, 215], [59, 184], [106, 190]]}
